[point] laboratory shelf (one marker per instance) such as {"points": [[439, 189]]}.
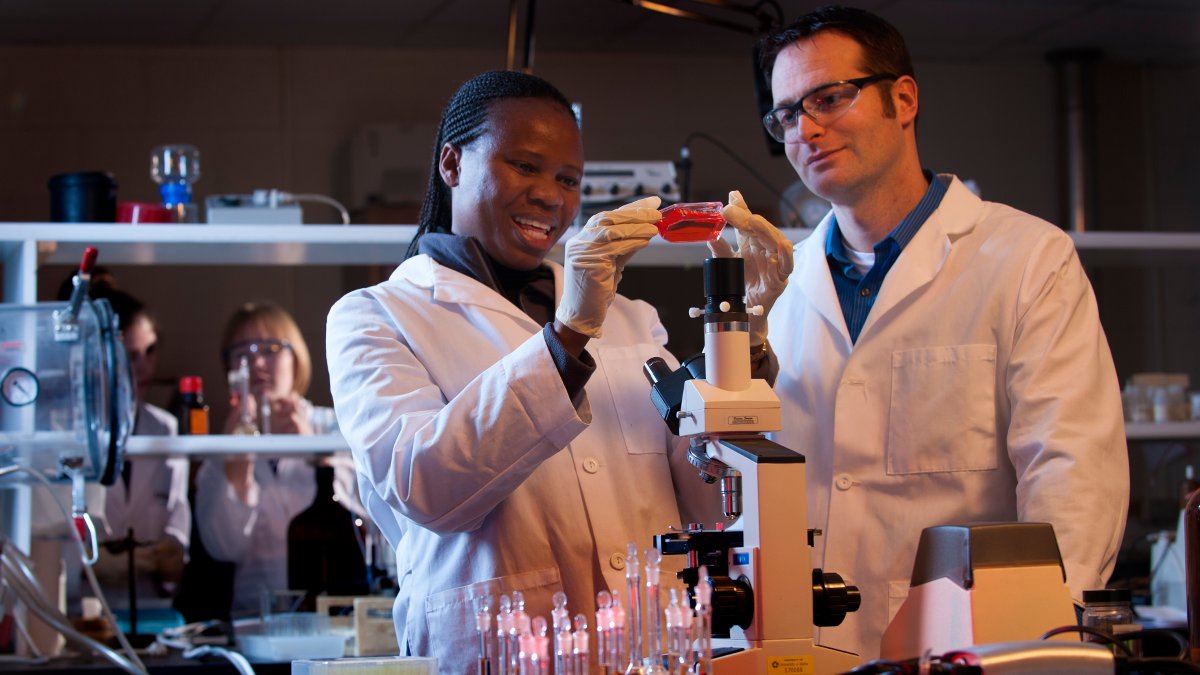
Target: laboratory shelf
{"points": [[386, 244], [1137, 249], [1162, 431], [124, 244], [220, 445]]}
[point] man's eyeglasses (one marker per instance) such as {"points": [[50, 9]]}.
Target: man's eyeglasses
{"points": [[249, 349], [824, 104]]}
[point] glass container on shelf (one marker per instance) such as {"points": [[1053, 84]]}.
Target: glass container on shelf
{"points": [[175, 168]]}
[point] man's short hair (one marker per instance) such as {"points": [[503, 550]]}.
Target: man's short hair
{"points": [[884, 49]]}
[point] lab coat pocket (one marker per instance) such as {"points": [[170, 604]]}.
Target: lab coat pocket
{"points": [[943, 410], [897, 594], [642, 430], [451, 613]]}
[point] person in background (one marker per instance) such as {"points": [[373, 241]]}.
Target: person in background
{"points": [[244, 505], [940, 359], [146, 510], [495, 452]]}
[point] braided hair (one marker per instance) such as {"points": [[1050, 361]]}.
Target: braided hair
{"points": [[463, 121]]}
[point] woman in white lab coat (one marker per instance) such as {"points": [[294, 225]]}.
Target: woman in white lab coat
{"points": [[149, 499], [493, 451], [244, 505]]}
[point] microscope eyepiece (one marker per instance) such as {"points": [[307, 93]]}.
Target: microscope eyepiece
{"points": [[724, 279]]}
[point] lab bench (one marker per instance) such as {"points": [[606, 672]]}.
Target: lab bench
{"points": [[171, 664]]}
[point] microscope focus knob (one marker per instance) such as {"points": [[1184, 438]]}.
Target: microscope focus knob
{"points": [[695, 312], [833, 598], [732, 604]]}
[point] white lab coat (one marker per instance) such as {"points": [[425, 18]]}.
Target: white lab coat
{"points": [[253, 534], [155, 505], [981, 388], [477, 467]]}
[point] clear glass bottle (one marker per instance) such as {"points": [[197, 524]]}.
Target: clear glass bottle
{"points": [[175, 167], [239, 384], [1110, 610]]}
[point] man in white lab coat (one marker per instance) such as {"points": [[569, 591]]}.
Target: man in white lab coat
{"points": [[940, 358]]}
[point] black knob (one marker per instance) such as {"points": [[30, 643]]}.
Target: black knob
{"points": [[614, 190], [833, 599], [587, 189], [732, 604]]}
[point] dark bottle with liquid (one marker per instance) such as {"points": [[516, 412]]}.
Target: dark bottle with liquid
{"points": [[193, 411], [325, 547]]}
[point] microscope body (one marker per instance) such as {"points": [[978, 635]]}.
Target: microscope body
{"points": [[760, 565]]}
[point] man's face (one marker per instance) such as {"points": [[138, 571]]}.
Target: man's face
{"points": [[850, 157], [516, 188]]}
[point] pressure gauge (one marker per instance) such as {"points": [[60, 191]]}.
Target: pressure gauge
{"points": [[19, 386]]}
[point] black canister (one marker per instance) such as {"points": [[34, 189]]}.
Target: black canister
{"points": [[83, 197]]}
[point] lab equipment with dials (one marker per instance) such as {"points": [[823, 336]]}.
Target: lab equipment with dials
{"points": [[66, 411], [752, 564], [67, 396]]}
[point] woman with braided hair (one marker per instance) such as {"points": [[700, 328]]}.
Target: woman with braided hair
{"points": [[494, 401]]}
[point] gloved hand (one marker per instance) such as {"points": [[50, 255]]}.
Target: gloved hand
{"points": [[768, 256], [595, 257]]}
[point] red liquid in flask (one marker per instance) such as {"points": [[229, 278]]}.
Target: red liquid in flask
{"points": [[690, 222]]}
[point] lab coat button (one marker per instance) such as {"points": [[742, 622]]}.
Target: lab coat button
{"points": [[617, 560], [844, 481], [591, 465]]}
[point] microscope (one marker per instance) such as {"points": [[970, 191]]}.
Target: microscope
{"points": [[760, 565]]}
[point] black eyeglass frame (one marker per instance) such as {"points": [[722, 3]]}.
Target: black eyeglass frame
{"points": [[274, 348], [770, 121]]}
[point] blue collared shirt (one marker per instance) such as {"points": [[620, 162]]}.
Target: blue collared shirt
{"points": [[856, 292]]}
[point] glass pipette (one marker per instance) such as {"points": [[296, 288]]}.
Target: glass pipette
{"points": [[633, 583], [652, 664]]}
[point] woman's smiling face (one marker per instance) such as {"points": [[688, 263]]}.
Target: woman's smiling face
{"points": [[516, 187]]}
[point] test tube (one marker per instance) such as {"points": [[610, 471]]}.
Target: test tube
{"points": [[674, 622], [703, 624], [579, 640], [633, 582], [616, 634], [688, 622], [503, 624], [520, 624], [525, 647], [561, 620], [483, 622], [541, 647], [652, 664], [603, 631]]}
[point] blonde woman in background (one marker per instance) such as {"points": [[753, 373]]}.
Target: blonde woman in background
{"points": [[245, 504]]}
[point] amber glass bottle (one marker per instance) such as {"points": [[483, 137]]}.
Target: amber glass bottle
{"points": [[325, 547], [193, 411]]}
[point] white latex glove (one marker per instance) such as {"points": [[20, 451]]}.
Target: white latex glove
{"points": [[768, 256], [595, 257]]}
